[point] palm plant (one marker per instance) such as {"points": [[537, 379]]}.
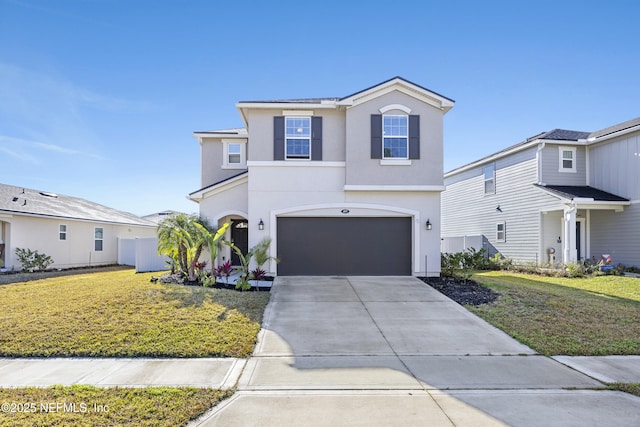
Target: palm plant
{"points": [[183, 237]]}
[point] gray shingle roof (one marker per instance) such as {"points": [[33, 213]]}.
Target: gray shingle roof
{"points": [[564, 135], [616, 128], [19, 200], [581, 191]]}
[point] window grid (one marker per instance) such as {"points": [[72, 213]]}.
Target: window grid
{"points": [[62, 232], [395, 137], [298, 137]]}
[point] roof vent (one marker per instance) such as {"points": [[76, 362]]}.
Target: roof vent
{"points": [[25, 202], [15, 199], [44, 193]]}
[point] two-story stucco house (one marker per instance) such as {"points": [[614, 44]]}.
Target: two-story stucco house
{"points": [[343, 186], [561, 195]]}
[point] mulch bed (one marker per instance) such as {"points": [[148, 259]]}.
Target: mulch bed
{"points": [[462, 291], [179, 279]]}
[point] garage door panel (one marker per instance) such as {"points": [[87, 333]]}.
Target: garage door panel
{"points": [[344, 246]]}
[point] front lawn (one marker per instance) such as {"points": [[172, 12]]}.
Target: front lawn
{"points": [[123, 314], [581, 317], [82, 405]]}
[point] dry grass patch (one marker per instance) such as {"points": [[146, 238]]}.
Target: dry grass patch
{"points": [[93, 406], [588, 317], [123, 314]]}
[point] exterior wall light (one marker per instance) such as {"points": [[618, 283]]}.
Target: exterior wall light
{"points": [[261, 224], [429, 226]]}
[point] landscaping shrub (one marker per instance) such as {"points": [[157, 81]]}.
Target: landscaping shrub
{"points": [[32, 260]]}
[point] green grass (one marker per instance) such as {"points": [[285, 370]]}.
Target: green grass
{"points": [[633, 388], [94, 406], [589, 317], [123, 314]]}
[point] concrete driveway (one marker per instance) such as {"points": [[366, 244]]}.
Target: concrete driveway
{"points": [[393, 351]]}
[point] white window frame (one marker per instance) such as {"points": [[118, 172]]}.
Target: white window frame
{"points": [[561, 167], [96, 239], [485, 180], [406, 138], [503, 232], [62, 234], [302, 138], [243, 157]]}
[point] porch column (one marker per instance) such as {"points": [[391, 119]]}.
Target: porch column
{"points": [[569, 248]]}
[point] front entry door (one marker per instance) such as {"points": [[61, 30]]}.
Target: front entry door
{"points": [[240, 237]]}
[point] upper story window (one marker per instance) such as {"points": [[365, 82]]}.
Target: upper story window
{"points": [[298, 138], [567, 159], [62, 232], [490, 179], [234, 155], [395, 137]]}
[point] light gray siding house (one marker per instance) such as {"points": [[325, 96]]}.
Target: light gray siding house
{"points": [[559, 196], [342, 186]]}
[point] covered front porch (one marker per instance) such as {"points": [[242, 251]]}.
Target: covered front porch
{"points": [[567, 227]]}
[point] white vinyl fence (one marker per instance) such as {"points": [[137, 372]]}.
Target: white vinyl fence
{"points": [[141, 253]]}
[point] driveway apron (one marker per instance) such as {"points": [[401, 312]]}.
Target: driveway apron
{"points": [[393, 351]]}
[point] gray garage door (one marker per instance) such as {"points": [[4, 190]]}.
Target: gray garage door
{"points": [[344, 246]]}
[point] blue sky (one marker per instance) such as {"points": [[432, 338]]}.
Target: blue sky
{"points": [[99, 98]]}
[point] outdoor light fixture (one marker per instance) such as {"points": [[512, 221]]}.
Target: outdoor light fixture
{"points": [[261, 224], [429, 226], [498, 209]]}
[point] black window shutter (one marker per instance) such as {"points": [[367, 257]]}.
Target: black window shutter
{"points": [[278, 138], [316, 138], [414, 137], [376, 136]]}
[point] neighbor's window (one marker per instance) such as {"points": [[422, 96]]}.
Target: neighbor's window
{"points": [[98, 237], [63, 232], [501, 235], [567, 159], [297, 137], [490, 179], [234, 153], [395, 137]]}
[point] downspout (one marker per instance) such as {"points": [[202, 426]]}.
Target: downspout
{"points": [[567, 232], [540, 148]]}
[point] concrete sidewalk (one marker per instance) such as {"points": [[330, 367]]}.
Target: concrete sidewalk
{"points": [[393, 351], [211, 372]]}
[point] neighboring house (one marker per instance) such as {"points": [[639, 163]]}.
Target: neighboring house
{"points": [[158, 217], [576, 194], [74, 232], [342, 186]]}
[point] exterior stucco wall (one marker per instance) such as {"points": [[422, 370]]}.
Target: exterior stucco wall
{"points": [[233, 200], [261, 133], [363, 170], [211, 162], [77, 250]]}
